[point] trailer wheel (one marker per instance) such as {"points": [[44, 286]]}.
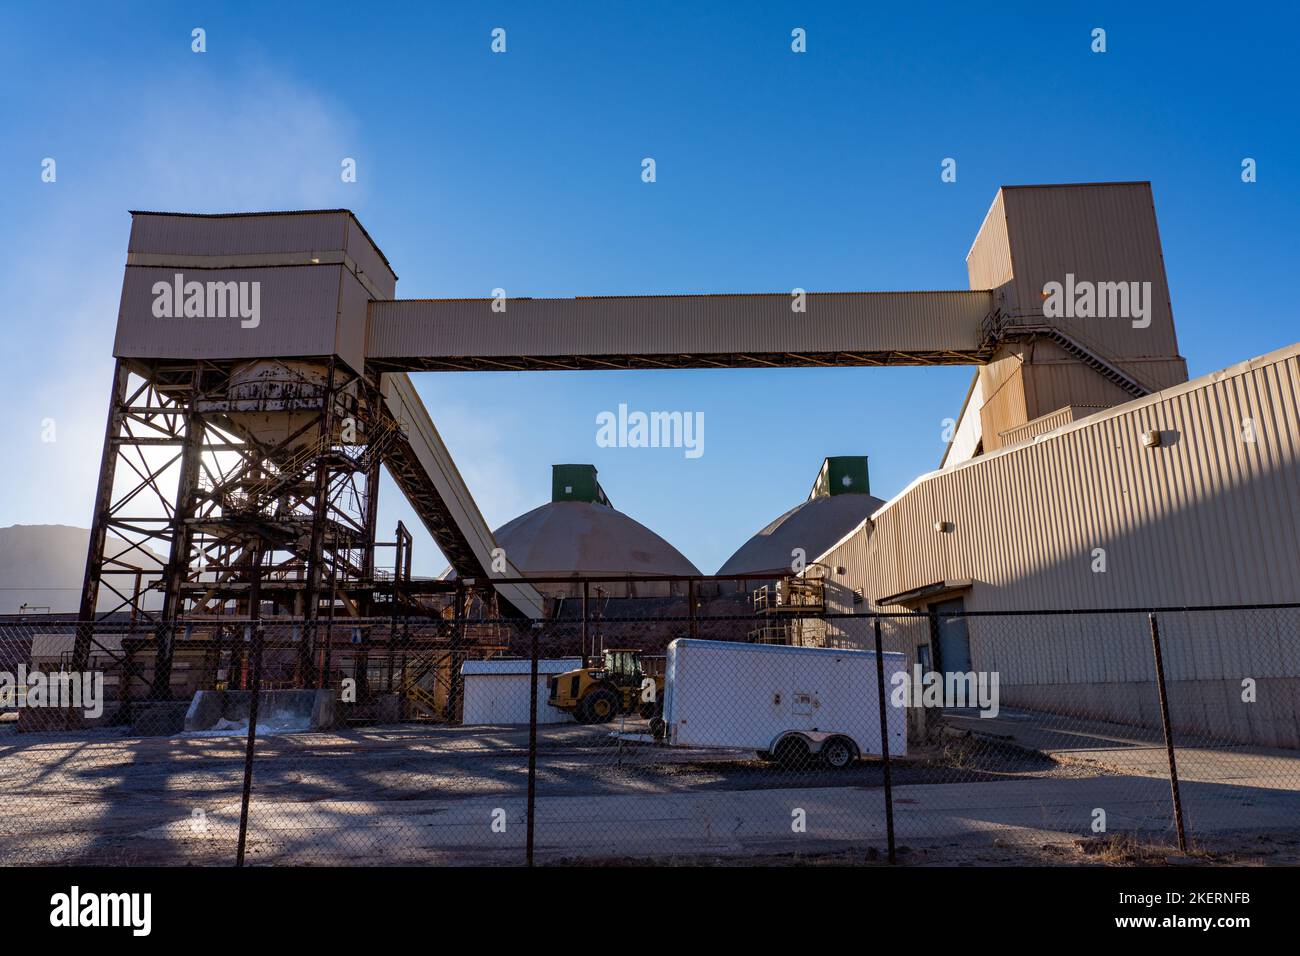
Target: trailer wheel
{"points": [[838, 753], [600, 706], [658, 728], [792, 753]]}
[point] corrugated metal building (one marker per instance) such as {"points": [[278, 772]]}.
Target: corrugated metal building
{"points": [[1096, 233], [1190, 496]]}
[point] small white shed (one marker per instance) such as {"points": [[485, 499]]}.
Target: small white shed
{"points": [[496, 692]]}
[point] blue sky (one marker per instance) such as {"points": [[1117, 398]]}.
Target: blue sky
{"points": [[522, 171]]}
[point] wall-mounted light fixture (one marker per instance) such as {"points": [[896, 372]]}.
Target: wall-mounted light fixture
{"points": [[944, 527]]}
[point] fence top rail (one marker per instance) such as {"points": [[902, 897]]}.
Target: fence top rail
{"points": [[26, 623], [894, 615]]}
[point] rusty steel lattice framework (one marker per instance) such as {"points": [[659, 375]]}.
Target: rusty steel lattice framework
{"points": [[210, 468]]}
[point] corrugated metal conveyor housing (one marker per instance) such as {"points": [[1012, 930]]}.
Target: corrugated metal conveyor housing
{"points": [[424, 470], [680, 331]]}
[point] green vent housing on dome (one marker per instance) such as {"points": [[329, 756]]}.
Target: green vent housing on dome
{"points": [[576, 483], [842, 475]]}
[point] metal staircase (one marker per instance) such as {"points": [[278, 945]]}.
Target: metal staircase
{"points": [[999, 327], [410, 688]]}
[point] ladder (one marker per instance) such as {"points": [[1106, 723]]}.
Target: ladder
{"points": [[410, 688]]}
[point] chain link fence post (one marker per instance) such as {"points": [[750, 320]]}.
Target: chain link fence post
{"points": [[256, 650], [884, 743], [532, 745], [1169, 735]]}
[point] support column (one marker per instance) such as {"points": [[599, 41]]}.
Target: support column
{"points": [[99, 519], [178, 557], [320, 496]]}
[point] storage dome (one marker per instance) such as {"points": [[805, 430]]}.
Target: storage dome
{"points": [[839, 501], [580, 534]]}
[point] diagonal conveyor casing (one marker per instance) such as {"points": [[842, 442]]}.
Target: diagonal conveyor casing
{"points": [[424, 470]]}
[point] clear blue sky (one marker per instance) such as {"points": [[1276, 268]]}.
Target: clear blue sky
{"points": [[522, 171]]}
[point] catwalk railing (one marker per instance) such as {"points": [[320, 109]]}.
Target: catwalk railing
{"points": [[1035, 737]]}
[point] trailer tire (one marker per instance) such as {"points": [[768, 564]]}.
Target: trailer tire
{"points": [[600, 706], [792, 753], [838, 753], [658, 728]]}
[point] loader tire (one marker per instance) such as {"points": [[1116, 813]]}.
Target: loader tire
{"points": [[600, 706]]}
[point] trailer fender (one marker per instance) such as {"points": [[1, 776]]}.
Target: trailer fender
{"points": [[815, 739], [813, 744]]}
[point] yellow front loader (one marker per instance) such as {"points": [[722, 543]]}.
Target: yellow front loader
{"points": [[617, 685]]}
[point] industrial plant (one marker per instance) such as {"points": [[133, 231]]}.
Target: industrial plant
{"points": [[1091, 502], [1083, 470]]}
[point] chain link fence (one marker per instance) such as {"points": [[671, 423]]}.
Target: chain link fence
{"points": [[947, 737]]}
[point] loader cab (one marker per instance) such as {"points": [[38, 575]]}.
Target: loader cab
{"points": [[622, 668]]}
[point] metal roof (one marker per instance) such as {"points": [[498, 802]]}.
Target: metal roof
{"points": [[275, 212], [519, 666]]}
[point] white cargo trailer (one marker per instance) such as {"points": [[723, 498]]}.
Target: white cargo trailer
{"points": [[792, 704]]}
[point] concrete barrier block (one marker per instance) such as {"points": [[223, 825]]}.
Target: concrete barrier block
{"points": [[283, 711]]}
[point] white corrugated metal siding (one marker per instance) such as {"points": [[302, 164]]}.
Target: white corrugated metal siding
{"points": [[496, 692]]}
